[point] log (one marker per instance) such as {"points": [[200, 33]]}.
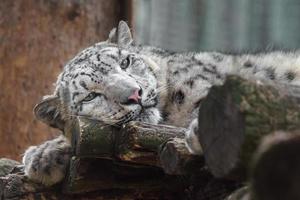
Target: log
{"points": [[137, 149], [136, 142], [235, 116], [275, 173]]}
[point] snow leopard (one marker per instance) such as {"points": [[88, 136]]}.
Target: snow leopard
{"points": [[117, 81]]}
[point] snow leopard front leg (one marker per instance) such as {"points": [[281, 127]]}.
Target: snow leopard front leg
{"points": [[47, 163]]}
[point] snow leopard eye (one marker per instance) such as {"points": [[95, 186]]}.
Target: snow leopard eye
{"points": [[90, 96], [125, 63]]}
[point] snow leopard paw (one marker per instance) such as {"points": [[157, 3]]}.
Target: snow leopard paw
{"points": [[191, 139], [47, 163]]}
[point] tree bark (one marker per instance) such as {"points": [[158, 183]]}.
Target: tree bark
{"points": [[234, 117]]}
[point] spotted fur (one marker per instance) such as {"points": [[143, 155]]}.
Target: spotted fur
{"points": [[99, 82]]}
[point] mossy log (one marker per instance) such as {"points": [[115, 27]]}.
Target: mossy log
{"points": [[235, 116], [276, 169], [138, 152], [135, 142]]}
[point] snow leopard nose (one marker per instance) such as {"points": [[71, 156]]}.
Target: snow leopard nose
{"points": [[135, 97]]}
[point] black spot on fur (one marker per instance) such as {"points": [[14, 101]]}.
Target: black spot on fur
{"points": [[178, 97], [211, 70], [181, 70], [103, 70], [47, 169], [74, 95], [171, 62], [199, 62], [190, 65], [270, 73], [186, 70], [83, 84], [76, 75], [85, 74], [196, 60], [74, 84], [248, 64], [165, 116], [290, 75], [160, 51], [190, 83], [98, 57], [176, 72], [217, 57], [59, 160], [34, 167], [81, 59], [200, 76]]}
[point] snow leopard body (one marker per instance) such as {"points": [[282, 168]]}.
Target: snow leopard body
{"points": [[116, 81]]}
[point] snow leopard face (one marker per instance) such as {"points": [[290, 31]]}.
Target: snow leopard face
{"points": [[107, 82]]}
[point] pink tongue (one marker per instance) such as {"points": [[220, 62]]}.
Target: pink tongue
{"points": [[135, 96]]}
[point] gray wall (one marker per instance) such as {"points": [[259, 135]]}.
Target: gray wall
{"points": [[227, 25]]}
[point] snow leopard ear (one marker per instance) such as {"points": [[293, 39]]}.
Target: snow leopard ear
{"points": [[48, 111], [124, 38]]}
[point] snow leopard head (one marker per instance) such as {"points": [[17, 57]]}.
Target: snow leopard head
{"points": [[109, 82]]}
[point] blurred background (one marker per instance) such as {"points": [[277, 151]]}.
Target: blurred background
{"points": [[37, 37]]}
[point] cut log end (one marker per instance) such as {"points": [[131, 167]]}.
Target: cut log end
{"points": [[175, 158]]}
